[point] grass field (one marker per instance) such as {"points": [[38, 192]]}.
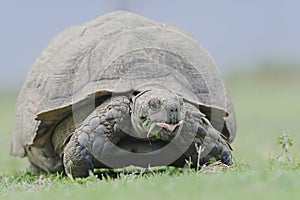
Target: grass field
{"points": [[266, 103]]}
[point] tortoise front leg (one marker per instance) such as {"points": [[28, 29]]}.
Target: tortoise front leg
{"points": [[213, 145], [209, 140], [90, 137]]}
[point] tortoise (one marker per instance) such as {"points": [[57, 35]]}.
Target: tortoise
{"points": [[122, 90]]}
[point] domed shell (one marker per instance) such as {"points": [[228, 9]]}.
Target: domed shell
{"points": [[119, 52]]}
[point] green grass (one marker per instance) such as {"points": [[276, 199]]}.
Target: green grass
{"points": [[7, 109], [244, 183], [266, 103]]}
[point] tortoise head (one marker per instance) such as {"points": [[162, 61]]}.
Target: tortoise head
{"points": [[156, 114]]}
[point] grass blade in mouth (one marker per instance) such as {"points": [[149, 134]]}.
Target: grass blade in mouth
{"points": [[151, 127], [157, 135], [146, 123]]}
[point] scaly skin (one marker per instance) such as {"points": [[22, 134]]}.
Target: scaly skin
{"points": [[212, 143], [89, 138], [120, 118]]}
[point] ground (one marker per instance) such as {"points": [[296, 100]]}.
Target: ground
{"points": [[266, 103]]}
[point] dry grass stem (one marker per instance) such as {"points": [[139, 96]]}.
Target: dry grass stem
{"points": [[215, 168]]}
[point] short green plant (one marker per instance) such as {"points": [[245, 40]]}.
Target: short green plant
{"points": [[285, 159], [285, 142], [212, 160]]}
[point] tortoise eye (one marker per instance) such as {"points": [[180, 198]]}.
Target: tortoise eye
{"points": [[155, 104]]}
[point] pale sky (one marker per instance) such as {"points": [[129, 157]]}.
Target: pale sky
{"points": [[236, 33]]}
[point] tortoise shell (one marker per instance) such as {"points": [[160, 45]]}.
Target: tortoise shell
{"points": [[119, 52]]}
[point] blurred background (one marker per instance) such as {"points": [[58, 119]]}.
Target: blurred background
{"points": [[255, 44], [237, 34]]}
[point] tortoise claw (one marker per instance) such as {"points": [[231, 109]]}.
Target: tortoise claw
{"points": [[227, 158], [220, 151]]}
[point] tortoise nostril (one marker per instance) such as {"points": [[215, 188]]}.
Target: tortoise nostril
{"points": [[173, 110], [173, 114]]}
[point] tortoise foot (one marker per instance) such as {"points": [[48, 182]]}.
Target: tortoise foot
{"points": [[213, 146], [78, 162]]}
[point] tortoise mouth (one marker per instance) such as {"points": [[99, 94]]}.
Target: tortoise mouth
{"points": [[169, 127], [160, 130]]}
